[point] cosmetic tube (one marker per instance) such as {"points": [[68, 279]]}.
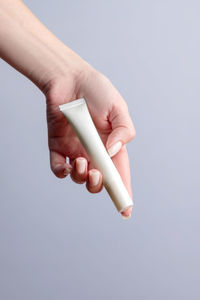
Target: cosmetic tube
{"points": [[79, 117]]}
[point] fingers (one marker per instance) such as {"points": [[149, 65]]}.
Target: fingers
{"points": [[94, 181], [80, 174], [58, 165], [121, 162], [79, 171], [93, 178], [123, 130], [126, 214]]}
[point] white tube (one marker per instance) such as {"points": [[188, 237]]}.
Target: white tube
{"points": [[79, 117]]}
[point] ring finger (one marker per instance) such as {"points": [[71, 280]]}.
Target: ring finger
{"points": [[79, 170]]}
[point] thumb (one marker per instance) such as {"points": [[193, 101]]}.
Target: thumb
{"points": [[123, 130]]}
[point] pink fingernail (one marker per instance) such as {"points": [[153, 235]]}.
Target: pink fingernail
{"points": [[126, 214], [126, 217], [114, 149], [81, 165], [94, 178]]}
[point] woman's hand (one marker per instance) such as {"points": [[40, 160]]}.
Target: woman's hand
{"points": [[110, 115], [28, 46]]}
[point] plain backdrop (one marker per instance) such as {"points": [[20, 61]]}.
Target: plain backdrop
{"points": [[59, 242]]}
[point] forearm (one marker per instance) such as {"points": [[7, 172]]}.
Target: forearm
{"points": [[31, 48]]}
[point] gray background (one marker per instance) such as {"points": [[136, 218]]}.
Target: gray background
{"points": [[57, 241]]}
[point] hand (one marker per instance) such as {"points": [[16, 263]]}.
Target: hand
{"points": [[63, 76], [110, 115]]}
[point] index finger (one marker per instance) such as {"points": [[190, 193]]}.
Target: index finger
{"points": [[121, 162]]}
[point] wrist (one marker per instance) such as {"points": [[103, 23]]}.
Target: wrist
{"points": [[62, 65], [32, 49], [67, 82]]}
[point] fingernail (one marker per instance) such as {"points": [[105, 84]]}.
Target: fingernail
{"points": [[114, 149], [126, 217], [67, 170], [94, 178], [126, 214], [81, 165]]}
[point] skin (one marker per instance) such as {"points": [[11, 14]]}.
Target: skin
{"points": [[63, 76]]}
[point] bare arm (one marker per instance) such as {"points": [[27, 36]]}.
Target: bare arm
{"points": [[27, 45]]}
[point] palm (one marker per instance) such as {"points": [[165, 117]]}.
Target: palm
{"points": [[62, 138]]}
